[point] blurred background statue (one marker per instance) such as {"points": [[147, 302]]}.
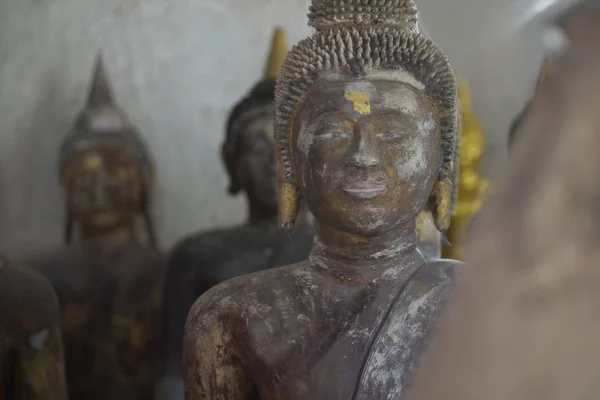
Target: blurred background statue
{"points": [[109, 282]]}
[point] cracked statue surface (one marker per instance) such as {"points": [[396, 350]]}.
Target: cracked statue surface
{"points": [[109, 282], [208, 258], [31, 347], [366, 129]]}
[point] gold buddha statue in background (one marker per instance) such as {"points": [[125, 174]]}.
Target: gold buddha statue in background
{"points": [[109, 283], [471, 186]]}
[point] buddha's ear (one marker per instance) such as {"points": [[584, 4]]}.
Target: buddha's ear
{"points": [[287, 196], [144, 210], [287, 200], [441, 204], [149, 225], [69, 225]]}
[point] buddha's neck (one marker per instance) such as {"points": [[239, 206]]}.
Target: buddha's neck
{"points": [[351, 254], [259, 212], [107, 240]]}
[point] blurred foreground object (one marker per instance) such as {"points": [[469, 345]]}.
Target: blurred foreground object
{"points": [[471, 187], [524, 324]]}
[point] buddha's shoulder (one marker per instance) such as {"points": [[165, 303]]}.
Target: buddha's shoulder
{"points": [[254, 291], [28, 297], [211, 243], [439, 273], [59, 264], [145, 258]]}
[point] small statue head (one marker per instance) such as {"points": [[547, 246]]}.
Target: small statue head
{"points": [[105, 168], [249, 147], [366, 119]]}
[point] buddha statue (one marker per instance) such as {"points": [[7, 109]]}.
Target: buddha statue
{"points": [[207, 258], [108, 279], [471, 188], [366, 127], [31, 348]]}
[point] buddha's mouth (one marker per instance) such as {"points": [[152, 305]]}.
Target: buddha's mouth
{"points": [[365, 189]]}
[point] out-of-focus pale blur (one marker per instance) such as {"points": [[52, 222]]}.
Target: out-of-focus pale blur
{"points": [[178, 67], [524, 322]]}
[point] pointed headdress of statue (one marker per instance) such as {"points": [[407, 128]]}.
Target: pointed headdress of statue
{"points": [[358, 37], [103, 124], [258, 101]]}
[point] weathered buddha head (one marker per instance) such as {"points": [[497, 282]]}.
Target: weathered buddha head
{"points": [[249, 148], [105, 168], [366, 119]]}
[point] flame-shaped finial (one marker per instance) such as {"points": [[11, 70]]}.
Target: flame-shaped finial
{"points": [[100, 92], [279, 50]]}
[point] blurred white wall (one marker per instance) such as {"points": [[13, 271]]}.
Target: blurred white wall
{"points": [[176, 68]]}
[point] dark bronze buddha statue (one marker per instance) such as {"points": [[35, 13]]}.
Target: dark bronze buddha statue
{"points": [[366, 126], [31, 348], [205, 259], [109, 282]]}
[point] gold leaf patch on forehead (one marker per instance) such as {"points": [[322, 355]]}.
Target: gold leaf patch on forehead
{"points": [[92, 162], [360, 100]]}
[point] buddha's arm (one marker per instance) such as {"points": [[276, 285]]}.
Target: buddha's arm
{"points": [[212, 369], [39, 366]]}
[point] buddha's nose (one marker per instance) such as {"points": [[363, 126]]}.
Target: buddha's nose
{"points": [[99, 194], [363, 153]]}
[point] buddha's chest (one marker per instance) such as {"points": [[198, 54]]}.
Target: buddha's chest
{"points": [[110, 330], [344, 344], [318, 351]]}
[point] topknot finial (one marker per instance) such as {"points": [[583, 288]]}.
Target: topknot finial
{"points": [[399, 13], [279, 50], [100, 92]]}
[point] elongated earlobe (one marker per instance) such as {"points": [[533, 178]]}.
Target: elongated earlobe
{"points": [[442, 204], [68, 228], [288, 206]]}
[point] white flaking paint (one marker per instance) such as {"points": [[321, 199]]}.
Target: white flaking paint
{"points": [[414, 160], [405, 99], [304, 140], [360, 86], [106, 120], [38, 339]]}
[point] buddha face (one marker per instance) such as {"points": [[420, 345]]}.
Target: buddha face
{"points": [[366, 153], [104, 187], [256, 165]]}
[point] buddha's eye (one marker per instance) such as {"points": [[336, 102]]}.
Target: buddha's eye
{"points": [[334, 135], [388, 136]]}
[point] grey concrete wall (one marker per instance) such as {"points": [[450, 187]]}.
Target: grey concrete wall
{"points": [[176, 68]]}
